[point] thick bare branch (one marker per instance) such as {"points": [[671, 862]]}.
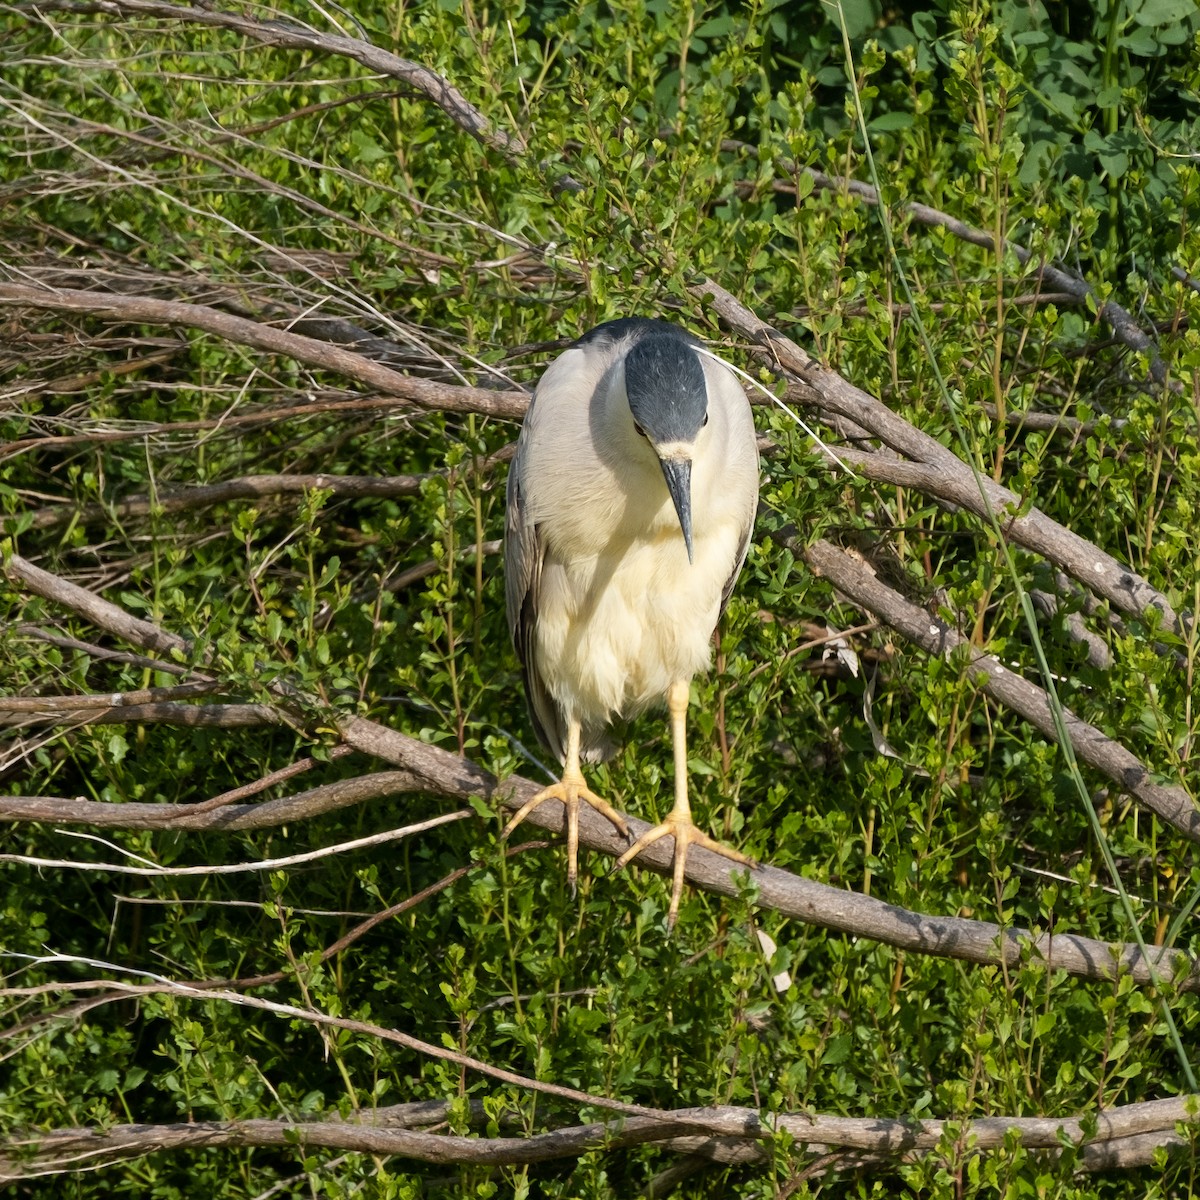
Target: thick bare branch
{"points": [[859, 584], [945, 475], [389, 1132], [132, 814], [196, 716], [424, 393], [109, 617], [805, 899], [447, 774]]}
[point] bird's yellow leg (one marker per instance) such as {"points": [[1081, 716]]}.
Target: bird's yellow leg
{"points": [[570, 790], [679, 823]]}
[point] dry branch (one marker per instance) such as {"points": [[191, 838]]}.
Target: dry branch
{"points": [[267, 864], [423, 393], [132, 814], [196, 716], [281, 775], [512, 146], [391, 1132], [814, 903], [100, 612], [153, 145], [855, 580], [249, 487], [430, 770], [945, 475], [1123, 1135], [442, 773], [1052, 422], [100, 653], [287, 35]]}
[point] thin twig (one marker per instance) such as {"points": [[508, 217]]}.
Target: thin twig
{"points": [[266, 864], [288, 35], [249, 487]]}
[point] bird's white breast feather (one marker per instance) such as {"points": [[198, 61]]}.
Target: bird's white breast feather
{"points": [[622, 614]]}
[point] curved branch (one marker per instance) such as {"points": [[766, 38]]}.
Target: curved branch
{"points": [[290, 36], [1151, 1123], [111, 990], [424, 393], [267, 864], [443, 773], [944, 470]]}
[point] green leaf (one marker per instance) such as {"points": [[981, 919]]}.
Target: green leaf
{"points": [[837, 1050], [889, 122], [1155, 13]]}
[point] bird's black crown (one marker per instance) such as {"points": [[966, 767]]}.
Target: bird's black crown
{"points": [[665, 384]]}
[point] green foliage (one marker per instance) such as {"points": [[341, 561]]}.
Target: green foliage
{"points": [[664, 140]]}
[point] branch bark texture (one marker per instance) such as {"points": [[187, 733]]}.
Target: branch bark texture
{"points": [[441, 773], [1152, 1124]]}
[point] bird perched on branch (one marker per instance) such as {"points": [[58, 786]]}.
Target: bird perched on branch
{"points": [[630, 504]]}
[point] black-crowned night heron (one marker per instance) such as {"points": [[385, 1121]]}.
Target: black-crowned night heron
{"points": [[630, 504]]}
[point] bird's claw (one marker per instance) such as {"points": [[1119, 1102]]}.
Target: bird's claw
{"points": [[569, 792], [685, 833]]}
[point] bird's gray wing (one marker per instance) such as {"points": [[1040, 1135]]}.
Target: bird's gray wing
{"points": [[742, 451], [739, 562], [523, 555]]}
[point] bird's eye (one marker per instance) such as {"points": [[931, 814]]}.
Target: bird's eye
{"points": [[705, 421], [640, 431]]}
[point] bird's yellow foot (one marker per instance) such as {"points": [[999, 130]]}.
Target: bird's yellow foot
{"points": [[679, 826], [570, 790]]}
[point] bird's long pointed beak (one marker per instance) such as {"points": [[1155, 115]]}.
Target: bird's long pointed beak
{"points": [[678, 474]]}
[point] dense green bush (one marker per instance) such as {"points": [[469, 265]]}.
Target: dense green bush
{"points": [[665, 142]]}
